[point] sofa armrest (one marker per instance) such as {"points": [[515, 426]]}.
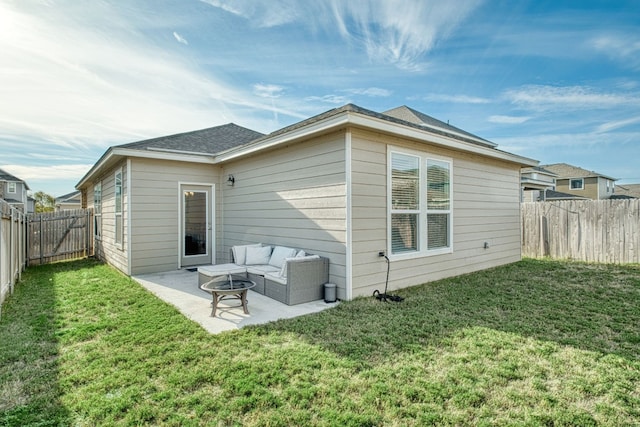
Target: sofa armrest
{"points": [[306, 279]]}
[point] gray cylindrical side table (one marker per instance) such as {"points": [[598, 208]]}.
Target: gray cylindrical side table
{"points": [[330, 292]]}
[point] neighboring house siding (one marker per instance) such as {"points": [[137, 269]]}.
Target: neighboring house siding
{"points": [[154, 210], [590, 190], [106, 247], [294, 196], [486, 208]]}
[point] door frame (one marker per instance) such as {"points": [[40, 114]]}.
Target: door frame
{"points": [[211, 219]]}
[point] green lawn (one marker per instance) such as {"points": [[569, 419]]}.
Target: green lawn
{"points": [[533, 343]]}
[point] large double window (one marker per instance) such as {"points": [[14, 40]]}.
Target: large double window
{"points": [[420, 204]]}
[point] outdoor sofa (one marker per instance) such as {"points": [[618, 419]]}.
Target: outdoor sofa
{"points": [[285, 274]]}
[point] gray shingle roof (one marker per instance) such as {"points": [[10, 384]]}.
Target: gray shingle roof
{"points": [[69, 197], [419, 121], [413, 116], [6, 176], [565, 170], [559, 195], [210, 141]]}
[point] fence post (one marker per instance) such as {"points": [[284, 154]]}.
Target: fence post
{"points": [[41, 241], [11, 253]]}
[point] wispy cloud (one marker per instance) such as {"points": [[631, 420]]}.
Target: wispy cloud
{"points": [[43, 173], [268, 90], [508, 119], [329, 99], [180, 39], [609, 126], [370, 91], [400, 32], [551, 98], [458, 99], [624, 49], [81, 80], [262, 14]]}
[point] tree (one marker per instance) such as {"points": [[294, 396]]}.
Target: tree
{"points": [[44, 202]]}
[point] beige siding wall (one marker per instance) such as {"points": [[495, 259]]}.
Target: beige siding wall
{"points": [[590, 190], [293, 196], [154, 210], [486, 208], [105, 247]]}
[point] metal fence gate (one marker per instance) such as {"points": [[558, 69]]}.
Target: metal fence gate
{"points": [[58, 236]]}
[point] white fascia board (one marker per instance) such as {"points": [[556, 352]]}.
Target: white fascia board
{"points": [[116, 153], [373, 123]]}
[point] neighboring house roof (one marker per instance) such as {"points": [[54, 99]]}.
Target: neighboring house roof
{"points": [[559, 195], [73, 197], [538, 169], [223, 143], [564, 170], [631, 190], [6, 176]]}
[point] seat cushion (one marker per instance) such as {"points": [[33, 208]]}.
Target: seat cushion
{"points": [[276, 278], [262, 269], [221, 269]]}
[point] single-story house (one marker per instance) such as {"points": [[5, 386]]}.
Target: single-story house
{"points": [[346, 184], [69, 201]]}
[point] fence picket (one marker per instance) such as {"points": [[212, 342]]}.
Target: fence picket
{"points": [[605, 231], [58, 236]]}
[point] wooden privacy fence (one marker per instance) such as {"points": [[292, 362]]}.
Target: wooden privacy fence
{"points": [[12, 248], [606, 231], [58, 236]]}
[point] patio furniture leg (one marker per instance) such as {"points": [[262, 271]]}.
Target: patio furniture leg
{"points": [[243, 298], [214, 304]]}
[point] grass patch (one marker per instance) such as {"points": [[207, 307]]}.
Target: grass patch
{"points": [[532, 343]]}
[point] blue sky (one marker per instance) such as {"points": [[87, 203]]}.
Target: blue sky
{"points": [[557, 81]]}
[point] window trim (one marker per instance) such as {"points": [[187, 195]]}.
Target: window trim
{"points": [[422, 212], [576, 179], [97, 211], [118, 236], [14, 185]]}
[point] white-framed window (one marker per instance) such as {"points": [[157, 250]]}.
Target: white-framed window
{"points": [[420, 204], [119, 230], [11, 187], [97, 210], [576, 184]]}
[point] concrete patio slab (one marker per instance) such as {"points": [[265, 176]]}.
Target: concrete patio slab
{"points": [[180, 289]]}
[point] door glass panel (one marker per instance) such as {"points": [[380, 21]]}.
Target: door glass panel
{"points": [[195, 223]]}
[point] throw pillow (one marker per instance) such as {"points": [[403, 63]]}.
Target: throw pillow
{"points": [[279, 254], [240, 253], [256, 256]]}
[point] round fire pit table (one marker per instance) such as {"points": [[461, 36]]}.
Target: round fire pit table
{"points": [[228, 287]]}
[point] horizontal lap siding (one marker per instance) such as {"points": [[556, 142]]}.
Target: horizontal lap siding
{"points": [[294, 196], [154, 222], [486, 208], [105, 247]]}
